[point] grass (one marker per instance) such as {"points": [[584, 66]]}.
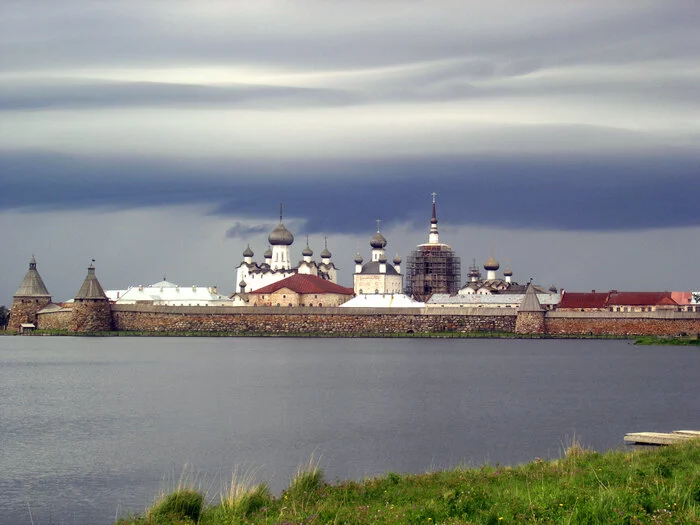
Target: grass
{"points": [[635, 487], [670, 341]]}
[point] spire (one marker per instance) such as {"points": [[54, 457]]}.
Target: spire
{"points": [[433, 237], [32, 284], [91, 288], [530, 302], [280, 213], [325, 254]]}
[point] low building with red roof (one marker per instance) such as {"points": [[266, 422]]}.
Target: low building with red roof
{"points": [[614, 301], [301, 290], [583, 301]]}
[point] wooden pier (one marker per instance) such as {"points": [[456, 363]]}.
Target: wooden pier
{"points": [[661, 438]]}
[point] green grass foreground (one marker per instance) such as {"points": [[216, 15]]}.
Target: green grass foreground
{"points": [[656, 486]]}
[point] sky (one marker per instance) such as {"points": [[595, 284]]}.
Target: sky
{"points": [[160, 137]]}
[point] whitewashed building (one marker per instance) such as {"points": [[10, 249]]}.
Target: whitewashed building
{"points": [[277, 263], [165, 293], [377, 276]]}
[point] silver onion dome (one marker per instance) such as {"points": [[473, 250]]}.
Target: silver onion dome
{"points": [[358, 259], [307, 252], [378, 241], [280, 236], [248, 252], [268, 254]]}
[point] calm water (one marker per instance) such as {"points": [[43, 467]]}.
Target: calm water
{"points": [[94, 428]]}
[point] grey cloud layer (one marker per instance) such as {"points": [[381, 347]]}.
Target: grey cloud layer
{"points": [[310, 35], [517, 192]]}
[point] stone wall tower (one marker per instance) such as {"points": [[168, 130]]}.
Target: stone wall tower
{"points": [[31, 296], [92, 311], [530, 317]]}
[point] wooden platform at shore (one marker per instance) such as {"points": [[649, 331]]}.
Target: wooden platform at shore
{"points": [[661, 438]]}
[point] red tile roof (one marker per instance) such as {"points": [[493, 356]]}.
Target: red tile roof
{"points": [[305, 284], [614, 298], [640, 299], [583, 300]]}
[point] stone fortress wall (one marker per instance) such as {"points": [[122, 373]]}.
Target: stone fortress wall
{"points": [[369, 321]]}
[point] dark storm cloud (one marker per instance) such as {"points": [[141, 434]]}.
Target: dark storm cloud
{"points": [[346, 197]]}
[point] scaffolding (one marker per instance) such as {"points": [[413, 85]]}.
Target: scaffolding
{"points": [[432, 269]]}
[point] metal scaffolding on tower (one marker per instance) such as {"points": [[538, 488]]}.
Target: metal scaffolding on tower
{"points": [[432, 267]]}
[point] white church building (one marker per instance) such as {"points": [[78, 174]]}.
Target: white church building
{"points": [[277, 262]]}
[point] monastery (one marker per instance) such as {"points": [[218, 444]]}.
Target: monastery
{"points": [[277, 297]]}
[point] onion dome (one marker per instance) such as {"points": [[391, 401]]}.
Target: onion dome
{"points": [[268, 253], [242, 285], [307, 252], [280, 236], [491, 264], [248, 252], [397, 259], [358, 258], [378, 241], [508, 272], [553, 289], [382, 258], [325, 254]]}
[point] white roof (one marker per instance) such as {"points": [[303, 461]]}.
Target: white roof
{"points": [[491, 299], [397, 300], [167, 293]]}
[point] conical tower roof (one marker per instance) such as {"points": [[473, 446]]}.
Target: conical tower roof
{"points": [[32, 285], [91, 288], [530, 302]]}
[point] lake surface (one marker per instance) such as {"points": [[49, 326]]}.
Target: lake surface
{"points": [[94, 428]]}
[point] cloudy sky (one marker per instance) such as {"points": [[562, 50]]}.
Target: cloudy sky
{"points": [[160, 137]]}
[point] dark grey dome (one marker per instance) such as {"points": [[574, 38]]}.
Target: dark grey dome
{"points": [[268, 254], [242, 284], [373, 268], [358, 259], [378, 241], [248, 252], [307, 252], [280, 236], [325, 254], [491, 264], [382, 258], [397, 260], [508, 272]]}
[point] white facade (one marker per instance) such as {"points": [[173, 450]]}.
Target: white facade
{"points": [[377, 276], [251, 276]]}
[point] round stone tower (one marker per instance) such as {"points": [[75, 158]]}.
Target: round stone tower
{"points": [[91, 309], [31, 296]]}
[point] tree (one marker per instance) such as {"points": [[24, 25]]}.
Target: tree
{"points": [[4, 316]]}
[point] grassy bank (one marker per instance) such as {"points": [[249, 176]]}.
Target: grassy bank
{"points": [[658, 486], [671, 341]]}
